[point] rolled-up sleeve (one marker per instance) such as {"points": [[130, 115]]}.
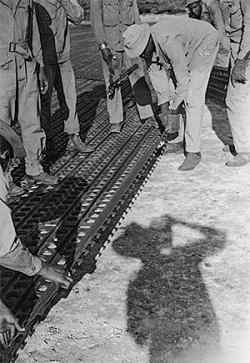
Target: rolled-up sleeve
{"points": [[216, 18], [245, 39], [73, 10]]}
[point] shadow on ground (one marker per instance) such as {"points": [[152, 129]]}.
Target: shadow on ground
{"points": [[57, 139], [168, 305], [18, 291]]}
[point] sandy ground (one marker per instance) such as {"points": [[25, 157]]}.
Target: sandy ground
{"points": [[173, 286]]}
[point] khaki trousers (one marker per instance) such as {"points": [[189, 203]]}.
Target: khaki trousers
{"points": [[61, 77], [28, 109], [238, 112], [200, 68], [115, 107]]}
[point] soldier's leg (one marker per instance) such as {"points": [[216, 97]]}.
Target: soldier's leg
{"points": [[238, 111], [69, 90], [7, 93], [195, 101], [144, 104], [114, 105], [29, 119], [66, 90], [201, 67]]}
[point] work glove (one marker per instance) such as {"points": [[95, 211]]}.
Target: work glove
{"points": [[239, 72]]}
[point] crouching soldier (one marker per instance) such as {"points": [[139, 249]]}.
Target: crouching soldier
{"points": [[110, 18], [13, 255], [20, 58], [190, 46]]}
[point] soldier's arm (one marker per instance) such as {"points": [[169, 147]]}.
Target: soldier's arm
{"points": [[96, 16], [245, 40], [176, 54], [217, 18], [13, 254], [136, 12], [73, 10], [36, 40]]}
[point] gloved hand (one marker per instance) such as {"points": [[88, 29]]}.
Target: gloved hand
{"points": [[239, 71]]}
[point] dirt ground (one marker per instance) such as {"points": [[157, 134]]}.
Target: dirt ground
{"points": [[173, 287]]}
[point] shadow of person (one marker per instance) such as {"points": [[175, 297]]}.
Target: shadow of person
{"points": [[90, 99], [168, 305]]}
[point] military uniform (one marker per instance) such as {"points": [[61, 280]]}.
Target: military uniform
{"points": [[212, 13], [110, 18], [53, 21], [237, 19], [190, 46], [19, 56], [13, 254]]}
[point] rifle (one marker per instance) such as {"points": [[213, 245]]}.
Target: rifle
{"points": [[116, 83]]}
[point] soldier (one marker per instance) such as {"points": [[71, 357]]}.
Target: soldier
{"points": [[53, 21], [210, 11], [190, 46], [110, 18], [20, 58], [237, 18], [13, 254]]}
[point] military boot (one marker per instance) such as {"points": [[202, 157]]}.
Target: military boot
{"points": [[190, 162], [78, 145], [239, 160], [115, 128]]}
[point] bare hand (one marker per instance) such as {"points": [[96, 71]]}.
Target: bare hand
{"points": [[238, 74], [43, 81], [55, 275], [8, 325]]}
